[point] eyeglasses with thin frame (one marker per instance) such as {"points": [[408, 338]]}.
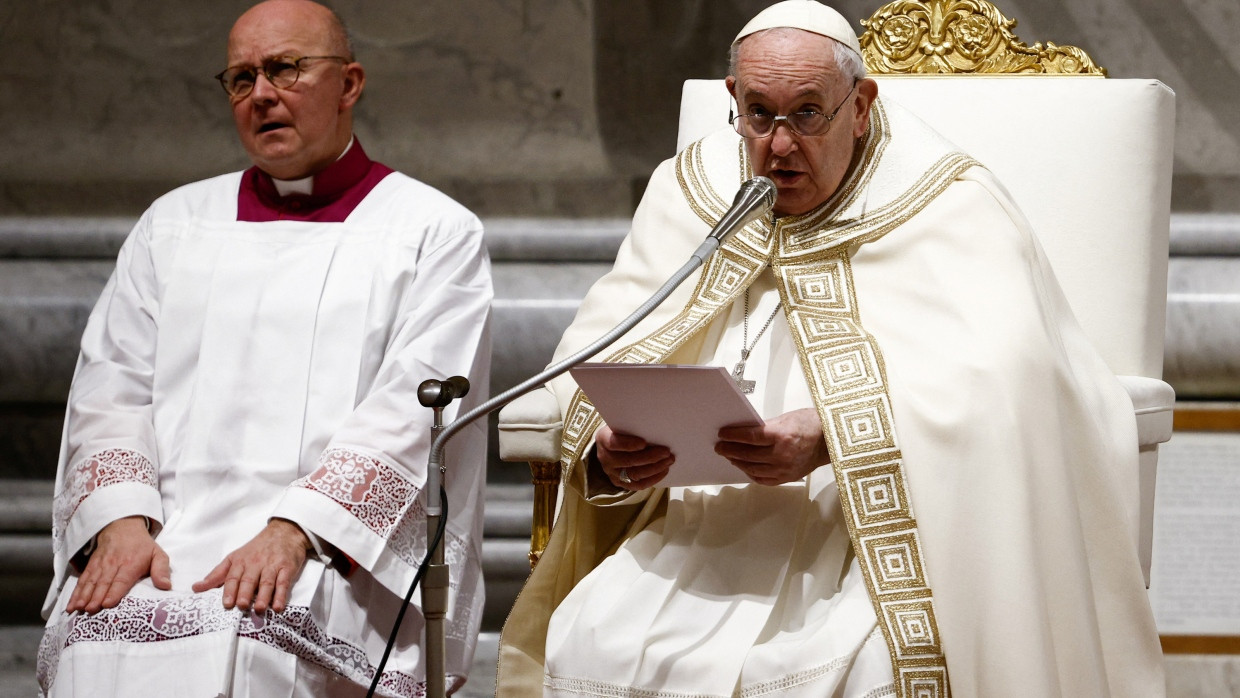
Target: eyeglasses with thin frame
{"points": [[809, 122], [281, 71]]}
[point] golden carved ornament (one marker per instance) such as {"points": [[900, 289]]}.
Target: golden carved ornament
{"points": [[959, 36]]}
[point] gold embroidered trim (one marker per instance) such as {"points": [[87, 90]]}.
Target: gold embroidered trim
{"points": [[691, 175], [846, 375]]}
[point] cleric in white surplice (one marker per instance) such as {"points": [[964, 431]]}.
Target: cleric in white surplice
{"points": [[239, 502]]}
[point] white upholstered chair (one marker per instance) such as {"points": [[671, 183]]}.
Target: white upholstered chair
{"points": [[1087, 158]]}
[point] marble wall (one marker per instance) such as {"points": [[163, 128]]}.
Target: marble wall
{"points": [[110, 102], [1187, 44], [517, 107]]}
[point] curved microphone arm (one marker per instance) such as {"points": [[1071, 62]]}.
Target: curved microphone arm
{"points": [[755, 198]]}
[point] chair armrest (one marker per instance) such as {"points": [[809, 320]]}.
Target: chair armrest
{"points": [[1153, 402], [530, 428]]}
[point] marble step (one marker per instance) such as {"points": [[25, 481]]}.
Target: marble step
{"points": [[508, 239], [1203, 307], [51, 271], [1205, 235]]}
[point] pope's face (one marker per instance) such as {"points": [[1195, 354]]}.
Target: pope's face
{"points": [[783, 72], [296, 131]]}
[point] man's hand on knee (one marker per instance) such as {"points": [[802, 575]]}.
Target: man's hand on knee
{"points": [[124, 553], [260, 574]]}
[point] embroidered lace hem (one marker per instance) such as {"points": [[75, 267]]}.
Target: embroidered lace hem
{"points": [[294, 632]]}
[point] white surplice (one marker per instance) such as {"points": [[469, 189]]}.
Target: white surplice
{"points": [[234, 371]]}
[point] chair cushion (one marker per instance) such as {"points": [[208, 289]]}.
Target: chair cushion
{"points": [[530, 428]]}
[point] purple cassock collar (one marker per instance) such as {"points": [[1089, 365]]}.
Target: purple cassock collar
{"points": [[337, 191]]}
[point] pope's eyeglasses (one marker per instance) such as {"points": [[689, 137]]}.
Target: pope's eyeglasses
{"points": [[802, 123], [282, 72]]}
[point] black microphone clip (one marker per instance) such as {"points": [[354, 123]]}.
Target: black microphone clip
{"points": [[440, 393]]}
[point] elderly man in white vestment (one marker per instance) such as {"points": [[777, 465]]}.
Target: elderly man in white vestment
{"points": [[239, 505], [936, 497]]}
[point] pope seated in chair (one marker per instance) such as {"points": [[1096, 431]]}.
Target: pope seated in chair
{"points": [[934, 506]]}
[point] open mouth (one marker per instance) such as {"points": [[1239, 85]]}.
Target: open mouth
{"points": [[267, 128]]}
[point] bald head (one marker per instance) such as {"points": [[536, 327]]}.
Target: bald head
{"points": [[295, 16], [296, 130]]}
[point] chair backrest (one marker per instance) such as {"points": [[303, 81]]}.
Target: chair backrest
{"points": [[1088, 160]]}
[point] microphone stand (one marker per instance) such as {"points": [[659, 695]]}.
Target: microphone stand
{"points": [[435, 585], [755, 198]]}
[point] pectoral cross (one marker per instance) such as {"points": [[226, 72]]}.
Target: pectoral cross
{"points": [[738, 374]]}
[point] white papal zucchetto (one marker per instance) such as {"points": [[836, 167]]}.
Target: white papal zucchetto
{"points": [[807, 15]]}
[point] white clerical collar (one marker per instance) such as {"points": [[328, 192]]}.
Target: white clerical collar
{"points": [[305, 185]]}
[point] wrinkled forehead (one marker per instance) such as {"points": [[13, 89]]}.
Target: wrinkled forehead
{"points": [[789, 56]]}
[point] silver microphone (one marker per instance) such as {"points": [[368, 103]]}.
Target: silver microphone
{"points": [[754, 199]]}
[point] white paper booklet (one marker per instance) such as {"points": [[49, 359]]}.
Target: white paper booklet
{"points": [[681, 407]]}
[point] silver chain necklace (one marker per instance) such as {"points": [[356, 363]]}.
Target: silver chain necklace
{"points": [[738, 373]]}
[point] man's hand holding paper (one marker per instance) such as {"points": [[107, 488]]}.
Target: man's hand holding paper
{"points": [[629, 462], [664, 412], [785, 449]]}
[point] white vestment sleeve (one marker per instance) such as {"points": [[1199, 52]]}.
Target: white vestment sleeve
{"points": [[108, 459], [365, 498]]}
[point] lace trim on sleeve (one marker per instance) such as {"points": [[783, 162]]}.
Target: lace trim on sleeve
{"points": [[371, 491], [101, 469]]}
